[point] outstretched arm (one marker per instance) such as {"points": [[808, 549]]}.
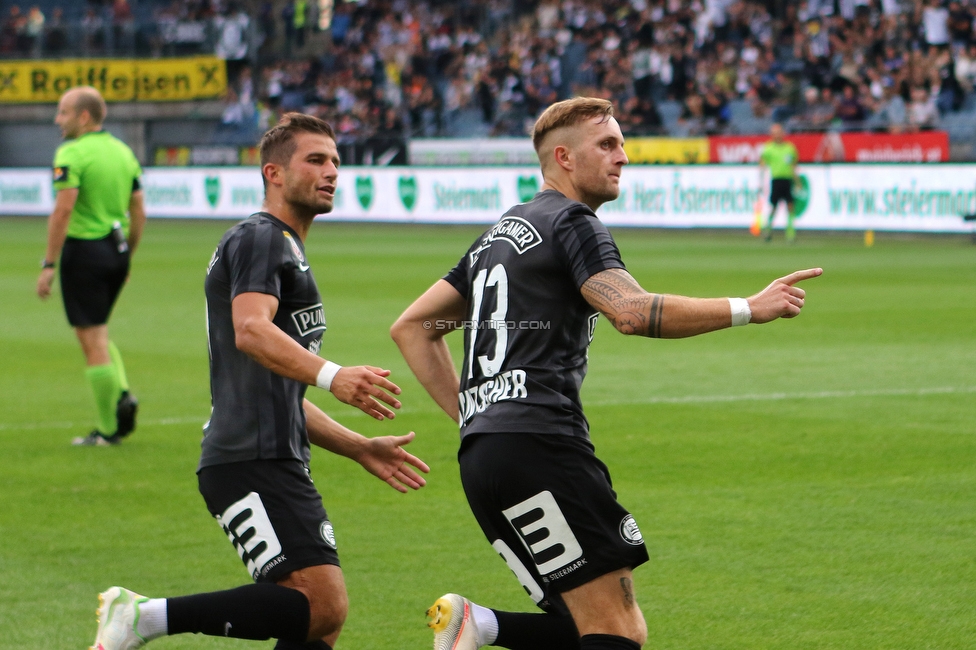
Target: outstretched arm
{"points": [[256, 335], [383, 457], [632, 310], [419, 333]]}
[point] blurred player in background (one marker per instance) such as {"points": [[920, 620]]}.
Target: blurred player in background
{"points": [[94, 230], [781, 157], [265, 322], [527, 294]]}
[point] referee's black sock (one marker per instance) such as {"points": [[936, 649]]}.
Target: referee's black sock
{"points": [[518, 631], [256, 612], [607, 642]]}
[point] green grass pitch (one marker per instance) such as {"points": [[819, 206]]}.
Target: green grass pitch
{"points": [[804, 484]]}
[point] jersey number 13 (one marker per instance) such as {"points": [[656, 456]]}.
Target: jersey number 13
{"points": [[490, 365]]}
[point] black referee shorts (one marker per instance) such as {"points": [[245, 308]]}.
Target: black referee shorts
{"points": [[272, 514], [92, 274], [546, 504], [781, 190]]}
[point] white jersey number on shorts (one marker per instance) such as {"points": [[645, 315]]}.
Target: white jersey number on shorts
{"points": [[250, 531], [524, 577], [545, 532]]}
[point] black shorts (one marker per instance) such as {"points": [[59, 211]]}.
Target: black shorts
{"points": [[272, 514], [546, 504], [781, 190], [92, 274]]}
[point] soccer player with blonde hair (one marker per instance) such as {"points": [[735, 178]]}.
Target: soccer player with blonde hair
{"points": [[527, 295]]}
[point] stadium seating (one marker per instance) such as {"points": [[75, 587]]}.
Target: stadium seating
{"points": [[438, 68]]}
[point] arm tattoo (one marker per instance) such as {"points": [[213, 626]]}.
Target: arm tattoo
{"points": [[657, 308], [628, 586], [625, 304]]}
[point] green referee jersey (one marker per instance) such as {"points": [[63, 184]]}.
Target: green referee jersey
{"points": [[781, 158], [106, 173]]}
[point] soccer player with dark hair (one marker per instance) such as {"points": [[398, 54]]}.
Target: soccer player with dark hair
{"points": [[543, 499], [94, 230], [265, 322]]}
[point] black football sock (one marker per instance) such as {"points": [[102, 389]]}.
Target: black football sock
{"points": [[256, 612], [607, 642], [311, 645], [518, 631]]}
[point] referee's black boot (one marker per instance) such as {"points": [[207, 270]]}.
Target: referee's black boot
{"points": [[125, 415]]}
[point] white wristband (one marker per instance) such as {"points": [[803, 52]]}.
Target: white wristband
{"points": [[327, 374], [741, 314]]}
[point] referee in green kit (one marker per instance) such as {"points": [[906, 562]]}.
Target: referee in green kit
{"points": [[781, 157], [94, 229]]}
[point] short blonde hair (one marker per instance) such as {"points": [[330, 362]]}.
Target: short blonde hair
{"points": [[569, 112]]}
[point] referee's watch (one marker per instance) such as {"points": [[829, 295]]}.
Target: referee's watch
{"points": [[47, 265]]}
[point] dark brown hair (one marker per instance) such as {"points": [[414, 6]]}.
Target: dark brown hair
{"points": [[278, 144]]}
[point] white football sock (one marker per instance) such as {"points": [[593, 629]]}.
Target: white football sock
{"points": [[152, 622], [486, 623]]}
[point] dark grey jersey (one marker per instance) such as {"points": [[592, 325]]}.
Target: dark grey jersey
{"points": [[528, 326], [257, 414]]}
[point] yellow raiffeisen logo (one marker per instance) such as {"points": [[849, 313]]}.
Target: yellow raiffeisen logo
{"points": [[119, 80], [667, 151]]}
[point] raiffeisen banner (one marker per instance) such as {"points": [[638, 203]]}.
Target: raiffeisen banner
{"points": [[920, 198], [118, 80]]}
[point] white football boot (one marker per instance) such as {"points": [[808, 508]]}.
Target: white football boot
{"points": [[118, 614], [453, 624]]}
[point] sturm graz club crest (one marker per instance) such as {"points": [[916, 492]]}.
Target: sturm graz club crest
{"points": [[297, 252], [211, 184], [528, 186], [328, 533], [630, 532], [408, 191], [364, 191]]}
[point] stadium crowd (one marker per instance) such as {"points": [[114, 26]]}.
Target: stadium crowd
{"points": [[432, 67]]}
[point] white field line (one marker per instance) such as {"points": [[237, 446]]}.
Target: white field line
{"points": [[685, 399], [29, 426], [771, 397]]}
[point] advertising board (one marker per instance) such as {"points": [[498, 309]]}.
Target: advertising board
{"points": [[922, 147], [919, 198]]}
